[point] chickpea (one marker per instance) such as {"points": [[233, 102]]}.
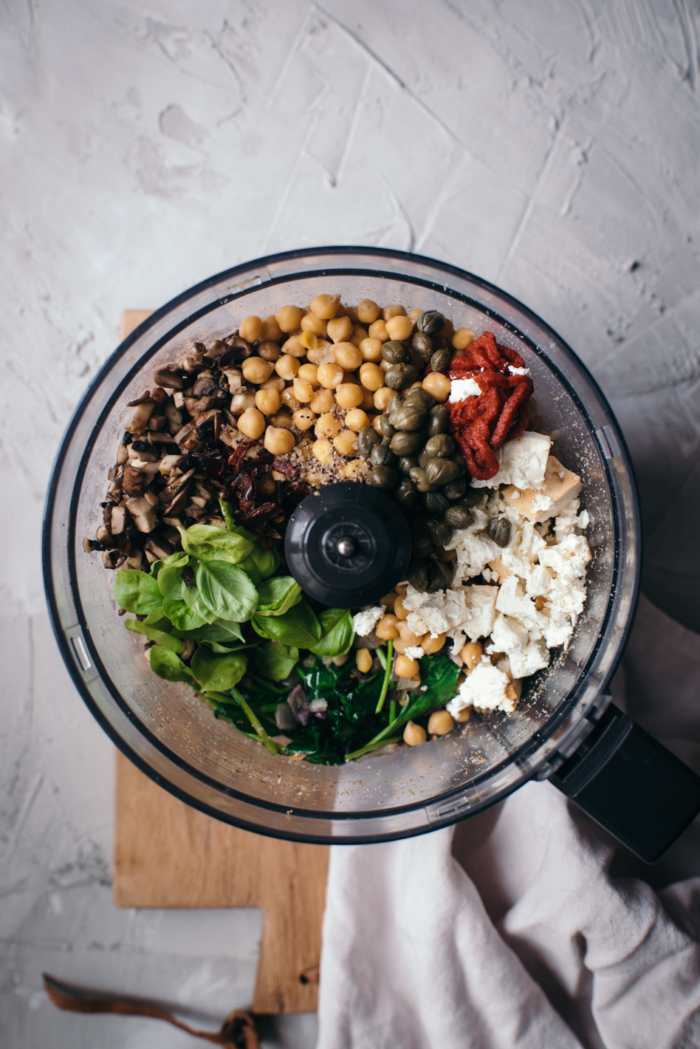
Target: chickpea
{"points": [[323, 450], [256, 370], [371, 376], [348, 395], [304, 418], [269, 351], [250, 329], [325, 307], [377, 330], [367, 402], [278, 441], [393, 311], [376, 424], [438, 385], [309, 373], [322, 401], [289, 318], [371, 350], [294, 346], [252, 423], [327, 426], [308, 339], [399, 328], [462, 338], [267, 401], [273, 383], [356, 419], [407, 636], [358, 335], [367, 311], [282, 419], [340, 329], [441, 722], [330, 375], [289, 400], [399, 611], [346, 442], [386, 628], [303, 391], [471, 653], [388, 601], [464, 715], [270, 330], [413, 314], [347, 356], [363, 660], [432, 644], [287, 367], [356, 469], [382, 397], [414, 735]]}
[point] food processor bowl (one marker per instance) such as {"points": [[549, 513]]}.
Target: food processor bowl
{"points": [[173, 737]]}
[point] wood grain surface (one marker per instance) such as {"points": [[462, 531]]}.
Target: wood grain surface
{"points": [[167, 854]]}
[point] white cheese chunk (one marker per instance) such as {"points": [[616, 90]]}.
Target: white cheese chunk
{"points": [[548, 499], [365, 622], [414, 652], [484, 689], [460, 389], [522, 462]]}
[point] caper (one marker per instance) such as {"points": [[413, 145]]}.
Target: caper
{"points": [[440, 576], [459, 516], [436, 504], [382, 455], [441, 360], [408, 417], [395, 401], [406, 443], [424, 458], [499, 530], [417, 575], [455, 489], [439, 531], [441, 471], [406, 464], [423, 345], [366, 440], [383, 477], [406, 493], [440, 446], [438, 420], [394, 352], [416, 524], [385, 426], [399, 376], [472, 496], [430, 322], [460, 463], [421, 397], [420, 478]]}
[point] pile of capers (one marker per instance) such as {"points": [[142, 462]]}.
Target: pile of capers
{"points": [[414, 457]]}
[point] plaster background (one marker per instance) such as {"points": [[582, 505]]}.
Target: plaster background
{"points": [[550, 146]]}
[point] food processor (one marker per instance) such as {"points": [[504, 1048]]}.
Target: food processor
{"points": [[564, 729]]}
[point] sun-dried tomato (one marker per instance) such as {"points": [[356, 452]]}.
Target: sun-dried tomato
{"points": [[480, 424]]}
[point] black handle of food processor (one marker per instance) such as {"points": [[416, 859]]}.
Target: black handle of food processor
{"points": [[631, 784]]}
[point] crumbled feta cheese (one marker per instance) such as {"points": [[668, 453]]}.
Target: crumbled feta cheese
{"points": [[485, 689], [460, 389], [414, 652], [365, 622], [522, 462], [470, 609], [557, 488], [518, 371]]}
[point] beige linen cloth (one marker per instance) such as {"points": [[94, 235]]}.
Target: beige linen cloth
{"points": [[546, 934]]}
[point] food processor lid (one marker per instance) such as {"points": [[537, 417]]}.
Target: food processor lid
{"points": [[347, 545]]}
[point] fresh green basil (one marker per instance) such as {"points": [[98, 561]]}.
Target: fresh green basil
{"points": [[170, 581], [218, 673], [168, 665], [181, 615], [136, 591], [193, 599], [338, 633], [219, 630], [208, 543], [298, 627], [153, 634], [260, 563], [226, 591], [277, 595], [177, 560], [276, 660], [158, 619]]}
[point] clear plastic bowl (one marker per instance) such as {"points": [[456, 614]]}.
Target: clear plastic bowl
{"points": [[174, 738]]}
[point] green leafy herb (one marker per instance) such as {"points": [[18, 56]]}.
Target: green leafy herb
{"points": [[181, 615], [218, 630], [136, 591], [338, 633], [388, 663], [276, 659], [255, 722], [168, 665], [207, 543], [226, 590], [193, 599], [217, 672], [153, 634], [264, 562], [170, 581], [298, 627], [277, 595]]}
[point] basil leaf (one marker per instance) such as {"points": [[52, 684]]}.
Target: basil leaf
{"points": [[153, 634], [278, 595], [276, 660], [261, 563], [213, 544], [218, 673], [136, 591], [168, 665], [170, 582], [299, 626], [181, 616], [158, 618], [338, 633], [227, 511], [226, 590], [177, 560], [217, 630], [193, 599], [216, 646]]}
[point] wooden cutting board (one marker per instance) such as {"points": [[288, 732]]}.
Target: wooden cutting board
{"points": [[167, 854]]}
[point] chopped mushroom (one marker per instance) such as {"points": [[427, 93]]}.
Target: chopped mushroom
{"points": [[118, 522], [169, 377], [143, 513], [133, 482], [137, 422]]}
